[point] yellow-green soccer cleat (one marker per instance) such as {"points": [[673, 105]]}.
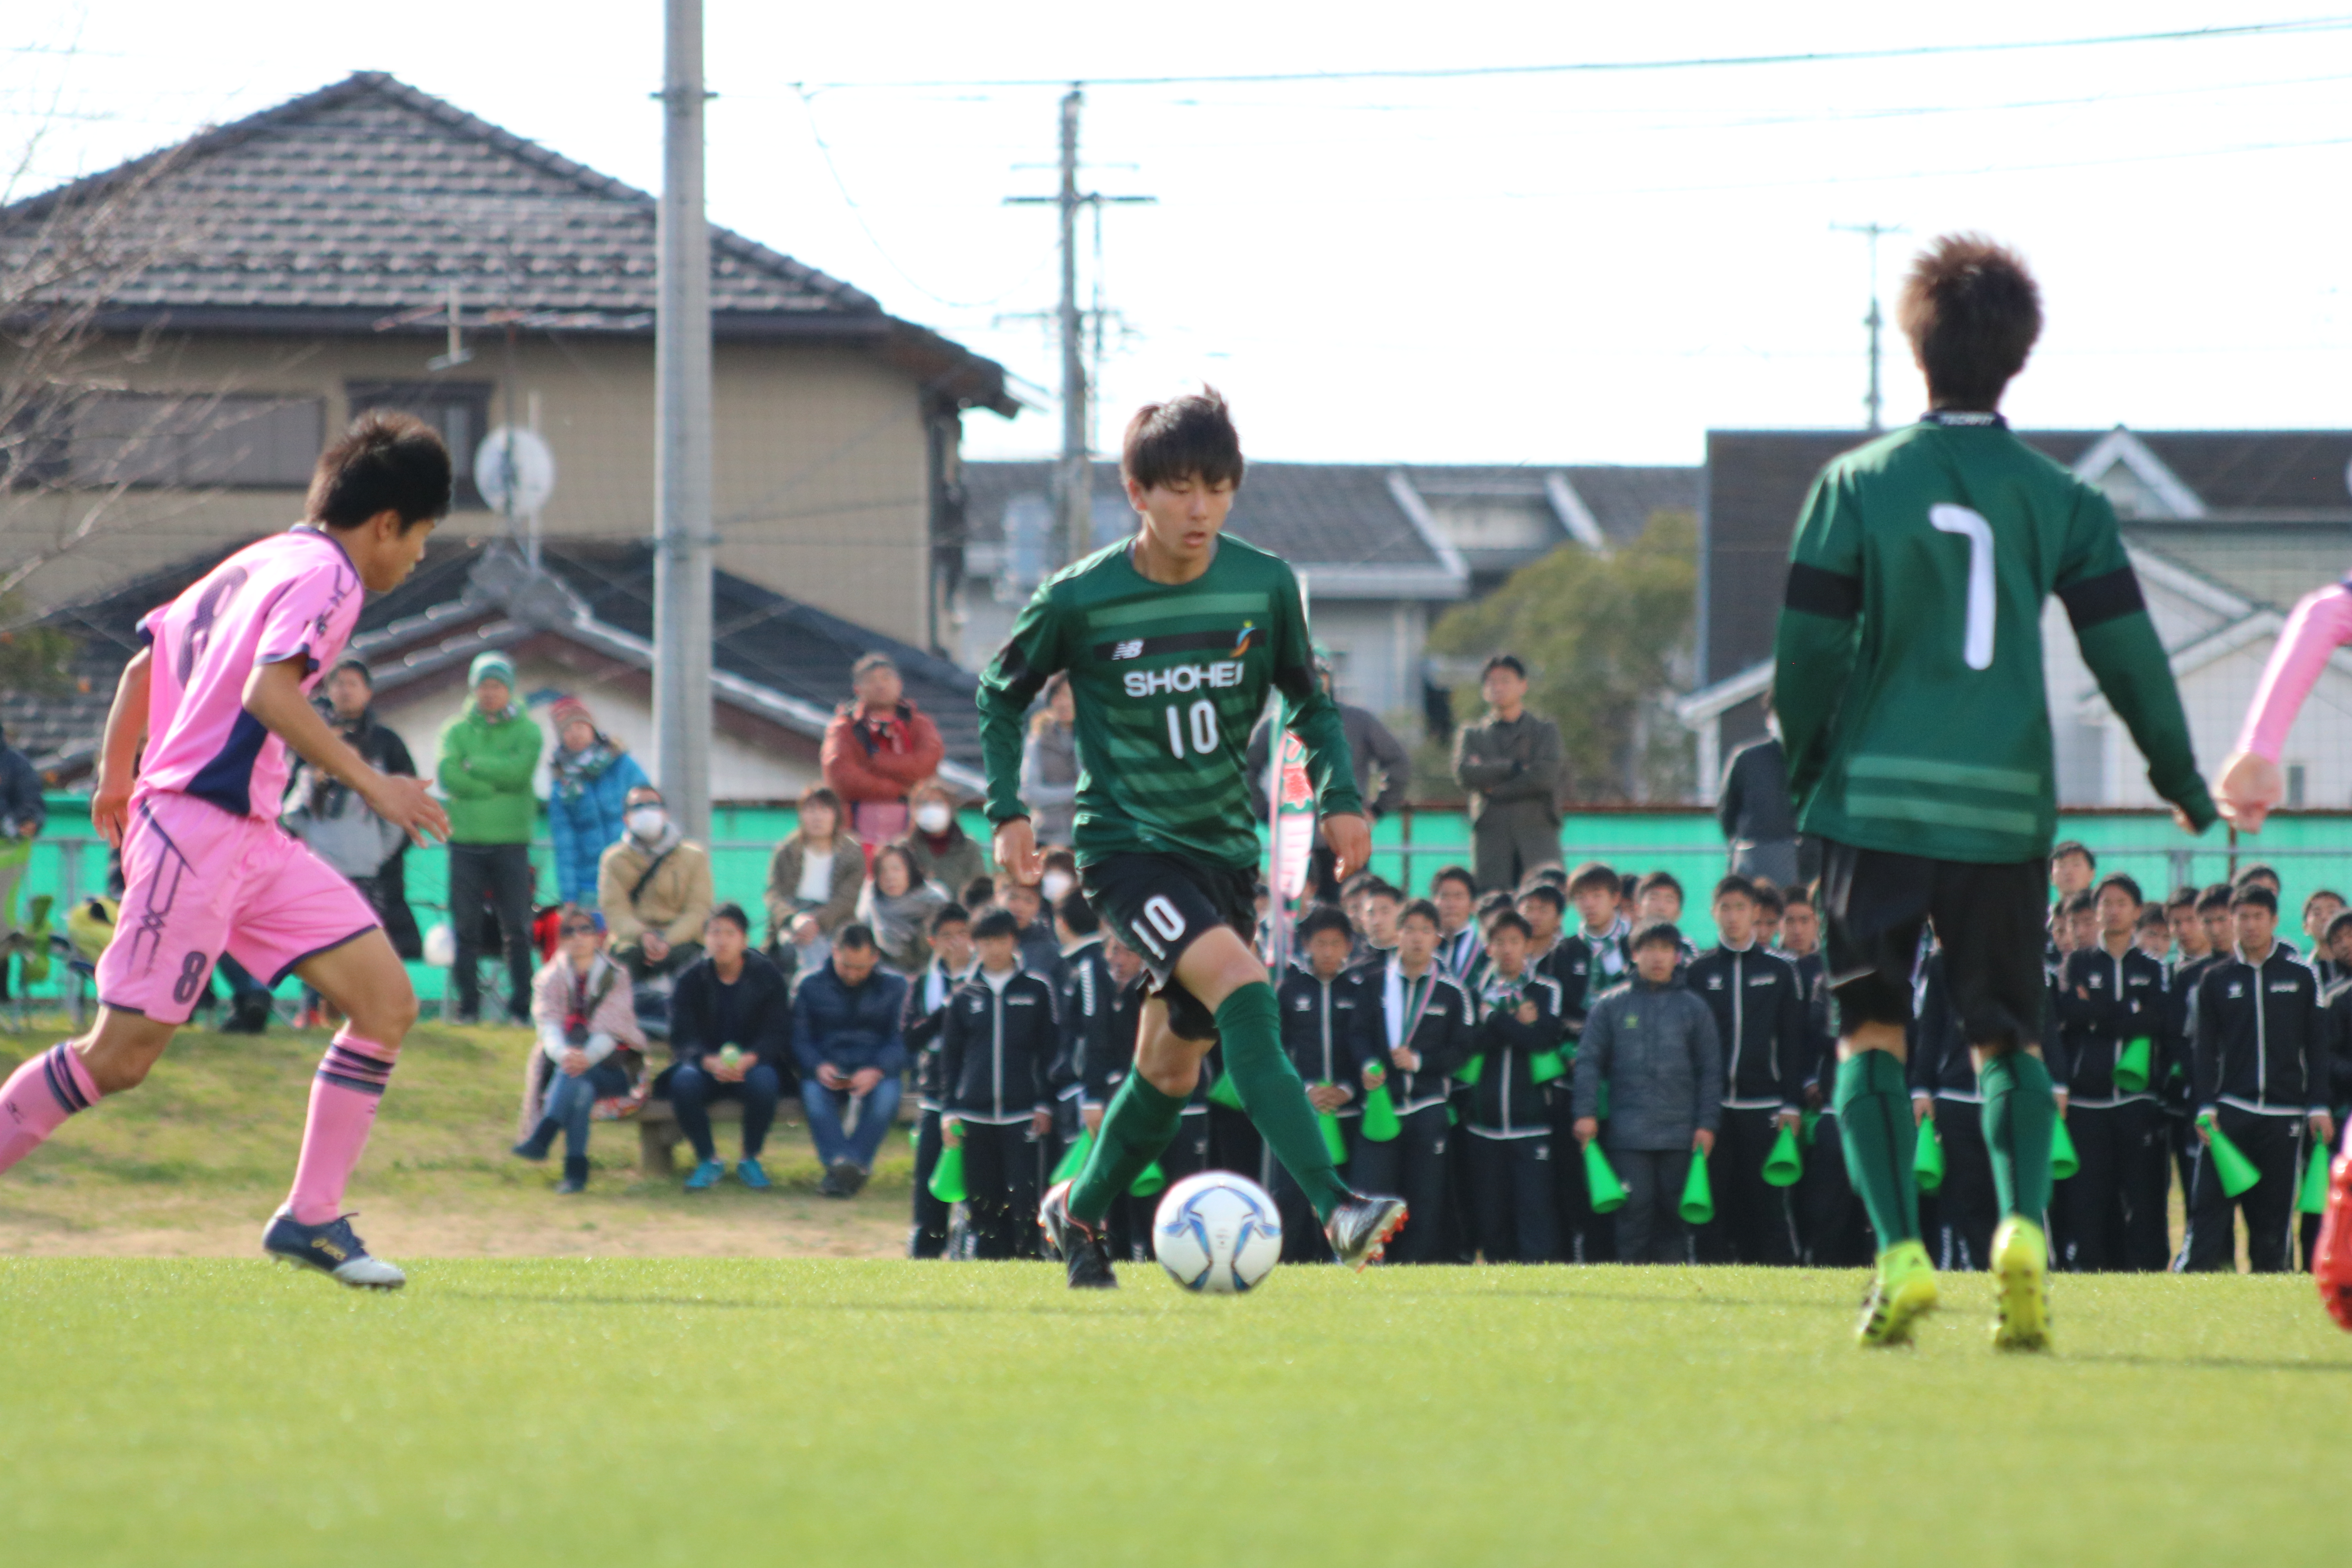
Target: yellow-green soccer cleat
{"points": [[1903, 1293], [2021, 1266]]}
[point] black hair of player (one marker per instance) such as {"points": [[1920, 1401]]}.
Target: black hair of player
{"points": [[1653, 880], [1509, 661], [1378, 887], [2216, 897], [1734, 887], [948, 915], [2183, 897], [1356, 885], [1545, 892], [1510, 920], [1058, 860], [2082, 903], [1421, 908], [733, 914], [2120, 879], [2152, 916], [1791, 897], [2073, 847], [857, 937], [2257, 895], [1494, 903], [1550, 876], [1188, 438], [1972, 312], [2259, 871], [2323, 893], [385, 462], [1769, 899], [1655, 933], [978, 891], [996, 921], [1076, 913], [2338, 926], [1320, 918], [1455, 874], [357, 667], [1591, 874]]}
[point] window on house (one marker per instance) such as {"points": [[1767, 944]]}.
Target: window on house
{"points": [[184, 439], [460, 410]]}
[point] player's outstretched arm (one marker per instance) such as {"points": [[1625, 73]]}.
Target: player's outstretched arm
{"points": [[273, 694], [2250, 784], [118, 757]]}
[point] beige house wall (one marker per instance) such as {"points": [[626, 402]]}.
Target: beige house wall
{"points": [[821, 488]]}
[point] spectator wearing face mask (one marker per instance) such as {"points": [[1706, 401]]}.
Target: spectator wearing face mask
{"points": [[877, 749], [942, 851], [654, 887]]}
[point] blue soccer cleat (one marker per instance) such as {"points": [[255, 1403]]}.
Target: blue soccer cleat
{"points": [[333, 1249]]}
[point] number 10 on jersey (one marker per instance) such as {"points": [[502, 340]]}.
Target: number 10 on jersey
{"points": [[1203, 723]]}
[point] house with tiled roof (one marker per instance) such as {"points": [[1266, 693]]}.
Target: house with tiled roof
{"points": [[371, 246], [2226, 530], [1383, 549]]}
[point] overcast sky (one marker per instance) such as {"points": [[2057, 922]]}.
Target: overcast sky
{"points": [[1587, 267]]}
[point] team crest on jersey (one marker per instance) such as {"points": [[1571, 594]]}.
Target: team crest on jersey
{"points": [[1131, 648], [1241, 639]]}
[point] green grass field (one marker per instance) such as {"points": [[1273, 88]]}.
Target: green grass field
{"points": [[720, 1412]]}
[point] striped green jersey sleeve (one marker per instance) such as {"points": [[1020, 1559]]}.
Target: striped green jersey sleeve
{"points": [[1168, 681], [1909, 678]]}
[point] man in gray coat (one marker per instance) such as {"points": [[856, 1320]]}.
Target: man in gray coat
{"points": [[1509, 762], [1653, 1044]]}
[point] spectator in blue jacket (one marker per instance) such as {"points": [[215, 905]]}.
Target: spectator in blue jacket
{"points": [[590, 776], [846, 1036], [728, 1030]]}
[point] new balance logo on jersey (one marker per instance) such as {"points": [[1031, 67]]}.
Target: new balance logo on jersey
{"points": [[1130, 648], [1183, 677]]}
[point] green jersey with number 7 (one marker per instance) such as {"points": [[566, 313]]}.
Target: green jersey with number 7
{"points": [[1909, 678]]}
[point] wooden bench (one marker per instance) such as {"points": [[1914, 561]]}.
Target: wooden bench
{"points": [[658, 1133]]}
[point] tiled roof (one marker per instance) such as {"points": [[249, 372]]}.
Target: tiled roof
{"points": [[369, 197], [1623, 496], [774, 643]]}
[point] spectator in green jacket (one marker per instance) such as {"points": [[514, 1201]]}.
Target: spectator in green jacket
{"points": [[488, 755]]}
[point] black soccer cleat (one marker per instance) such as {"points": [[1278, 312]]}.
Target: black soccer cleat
{"points": [[1361, 1228], [1080, 1247]]}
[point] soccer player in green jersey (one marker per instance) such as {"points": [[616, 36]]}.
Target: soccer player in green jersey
{"points": [[1171, 640], [1910, 691]]}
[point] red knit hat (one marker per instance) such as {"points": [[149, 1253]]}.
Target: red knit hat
{"points": [[568, 708]]}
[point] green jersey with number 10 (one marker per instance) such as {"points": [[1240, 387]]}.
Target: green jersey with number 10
{"points": [[1910, 680], [1168, 680]]}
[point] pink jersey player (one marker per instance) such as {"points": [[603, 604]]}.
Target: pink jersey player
{"points": [[2249, 787], [216, 697]]}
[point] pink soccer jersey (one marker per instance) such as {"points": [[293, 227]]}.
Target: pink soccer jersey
{"points": [[292, 593]]}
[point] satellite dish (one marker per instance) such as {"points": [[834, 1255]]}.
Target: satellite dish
{"points": [[514, 470]]}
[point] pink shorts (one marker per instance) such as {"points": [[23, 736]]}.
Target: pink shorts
{"points": [[200, 880]]}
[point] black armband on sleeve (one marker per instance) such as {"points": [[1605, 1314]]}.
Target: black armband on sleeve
{"points": [[2096, 600], [1817, 592]]}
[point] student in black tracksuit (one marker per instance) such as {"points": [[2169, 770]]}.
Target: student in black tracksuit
{"points": [[1759, 1005], [1834, 1224], [1082, 998], [1188, 1152], [952, 965], [1326, 1012], [1514, 1203], [1419, 1036], [2110, 995], [2209, 913], [2254, 1038], [1944, 1094], [1589, 958], [995, 1050]]}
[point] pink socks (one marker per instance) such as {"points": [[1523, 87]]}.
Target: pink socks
{"points": [[344, 1099], [38, 1097]]}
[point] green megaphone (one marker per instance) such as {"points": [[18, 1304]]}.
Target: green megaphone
{"points": [[1074, 1159], [1471, 1071], [1927, 1161], [946, 1176], [1785, 1165], [2133, 1067], [2063, 1161], [2237, 1174], [1334, 1145], [1545, 1066], [1698, 1193], [1149, 1184], [2315, 1182], [1380, 1123], [1222, 1092], [1600, 1181]]}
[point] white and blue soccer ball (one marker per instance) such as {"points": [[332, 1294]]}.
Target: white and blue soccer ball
{"points": [[1217, 1233]]}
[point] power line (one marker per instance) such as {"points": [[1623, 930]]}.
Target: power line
{"points": [[1709, 62]]}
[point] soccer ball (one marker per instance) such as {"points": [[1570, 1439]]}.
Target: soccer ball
{"points": [[1217, 1233]]}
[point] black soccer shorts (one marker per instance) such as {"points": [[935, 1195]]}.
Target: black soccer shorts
{"points": [[1159, 905], [1988, 918]]}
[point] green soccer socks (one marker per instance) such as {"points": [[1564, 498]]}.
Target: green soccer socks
{"points": [[1137, 1127], [1274, 1095], [2020, 1110], [1874, 1121]]}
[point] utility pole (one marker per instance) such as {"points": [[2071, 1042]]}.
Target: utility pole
{"points": [[1074, 473], [682, 439], [1872, 231]]}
